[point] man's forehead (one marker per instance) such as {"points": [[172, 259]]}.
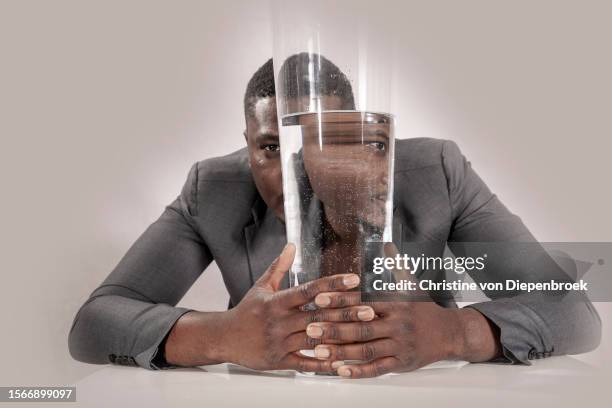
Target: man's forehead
{"points": [[264, 110], [264, 113], [308, 104]]}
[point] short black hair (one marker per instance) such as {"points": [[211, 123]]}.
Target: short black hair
{"points": [[294, 72]]}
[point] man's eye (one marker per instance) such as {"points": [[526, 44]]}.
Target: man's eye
{"points": [[271, 147], [378, 146]]}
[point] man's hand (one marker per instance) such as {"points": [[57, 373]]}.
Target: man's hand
{"points": [[404, 336], [266, 329]]}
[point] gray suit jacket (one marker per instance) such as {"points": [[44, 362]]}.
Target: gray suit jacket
{"points": [[220, 216]]}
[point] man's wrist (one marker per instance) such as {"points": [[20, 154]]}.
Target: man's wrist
{"points": [[478, 338], [196, 339]]}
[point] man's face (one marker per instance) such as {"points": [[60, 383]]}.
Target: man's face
{"points": [[264, 153]]}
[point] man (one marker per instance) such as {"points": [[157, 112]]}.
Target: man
{"points": [[231, 210]]}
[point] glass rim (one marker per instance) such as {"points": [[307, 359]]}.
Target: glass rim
{"points": [[368, 117]]}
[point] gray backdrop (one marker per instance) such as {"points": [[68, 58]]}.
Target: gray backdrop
{"points": [[104, 106]]}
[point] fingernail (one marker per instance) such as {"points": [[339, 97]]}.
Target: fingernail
{"points": [[336, 364], [322, 352], [344, 371], [322, 300], [314, 331], [351, 280], [365, 313]]}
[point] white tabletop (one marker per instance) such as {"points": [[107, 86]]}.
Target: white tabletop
{"points": [[556, 381]]}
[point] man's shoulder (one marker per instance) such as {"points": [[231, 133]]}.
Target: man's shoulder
{"points": [[419, 152], [233, 167], [220, 190]]}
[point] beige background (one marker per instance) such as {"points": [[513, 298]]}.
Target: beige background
{"points": [[104, 106]]}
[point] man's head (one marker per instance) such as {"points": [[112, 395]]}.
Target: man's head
{"points": [[261, 131]]}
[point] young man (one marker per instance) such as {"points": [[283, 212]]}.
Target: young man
{"points": [[231, 211]]}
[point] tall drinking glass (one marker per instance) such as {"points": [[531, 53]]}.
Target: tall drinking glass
{"points": [[333, 74]]}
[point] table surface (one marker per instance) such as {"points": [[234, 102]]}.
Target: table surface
{"points": [[556, 381]]}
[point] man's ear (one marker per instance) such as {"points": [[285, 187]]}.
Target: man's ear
{"points": [[244, 133]]}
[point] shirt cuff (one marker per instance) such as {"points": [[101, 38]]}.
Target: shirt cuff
{"points": [[523, 334], [153, 358]]}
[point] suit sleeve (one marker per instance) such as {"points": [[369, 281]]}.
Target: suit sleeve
{"points": [[531, 325], [127, 317]]}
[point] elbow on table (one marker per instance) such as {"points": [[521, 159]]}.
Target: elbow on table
{"points": [[83, 340], [595, 326], [588, 330]]}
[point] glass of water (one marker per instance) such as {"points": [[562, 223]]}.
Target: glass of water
{"points": [[333, 66]]}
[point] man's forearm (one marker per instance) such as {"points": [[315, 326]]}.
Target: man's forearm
{"points": [[196, 339]]}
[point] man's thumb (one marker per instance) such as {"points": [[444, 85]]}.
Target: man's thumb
{"points": [[273, 276]]}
